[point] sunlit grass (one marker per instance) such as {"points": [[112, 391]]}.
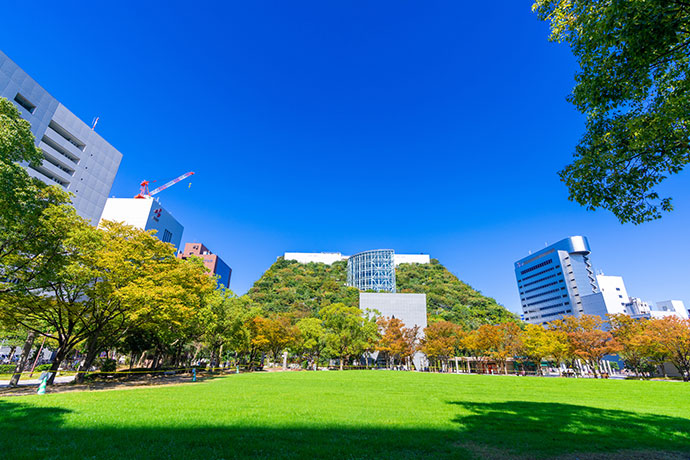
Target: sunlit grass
{"points": [[355, 414]]}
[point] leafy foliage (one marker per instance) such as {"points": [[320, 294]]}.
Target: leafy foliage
{"points": [[448, 298], [634, 88], [291, 286]]}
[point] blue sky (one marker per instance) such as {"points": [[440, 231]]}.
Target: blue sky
{"points": [[433, 127]]}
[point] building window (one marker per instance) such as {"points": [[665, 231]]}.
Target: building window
{"points": [[24, 102], [67, 135], [167, 236]]}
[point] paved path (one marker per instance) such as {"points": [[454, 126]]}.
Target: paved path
{"points": [[36, 381]]}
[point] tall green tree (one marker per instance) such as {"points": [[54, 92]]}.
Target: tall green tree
{"points": [[29, 243], [311, 339], [349, 332], [634, 88]]}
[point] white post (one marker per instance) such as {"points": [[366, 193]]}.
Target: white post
{"points": [[285, 360]]}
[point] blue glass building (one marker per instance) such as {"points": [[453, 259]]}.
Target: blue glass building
{"points": [[372, 270], [553, 280]]}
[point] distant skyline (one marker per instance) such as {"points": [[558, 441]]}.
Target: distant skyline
{"points": [[435, 128]]}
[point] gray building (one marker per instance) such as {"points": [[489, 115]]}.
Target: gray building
{"points": [[408, 308], [372, 270], [553, 281], [76, 158]]}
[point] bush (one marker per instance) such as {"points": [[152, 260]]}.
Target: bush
{"points": [[7, 368], [106, 364], [42, 367]]}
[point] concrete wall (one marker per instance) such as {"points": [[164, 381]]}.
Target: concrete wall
{"points": [[76, 157]]}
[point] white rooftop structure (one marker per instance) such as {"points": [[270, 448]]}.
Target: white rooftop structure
{"points": [[329, 257], [146, 214]]}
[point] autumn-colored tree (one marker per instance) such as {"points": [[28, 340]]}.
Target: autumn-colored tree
{"points": [[631, 334], [672, 334], [397, 341], [539, 343], [588, 339], [504, 342], [478, 344], [442, 341]]}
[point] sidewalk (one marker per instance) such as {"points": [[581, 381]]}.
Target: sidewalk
{"points": [[35, 381]]}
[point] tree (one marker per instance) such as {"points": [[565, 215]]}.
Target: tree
{"points": [[539, 343], [502, 341], [28, 243], [442, 341], [394, 342], [632, 335], [672, 334], [347, 333], [588, 340], [312, 339], [634, 88]]}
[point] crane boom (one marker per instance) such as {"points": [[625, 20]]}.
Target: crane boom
{"points": [[144, 192], [172, 182]]}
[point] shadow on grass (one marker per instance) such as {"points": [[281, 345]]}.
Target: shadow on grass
{"points": [[547, 429], [508, 430]]}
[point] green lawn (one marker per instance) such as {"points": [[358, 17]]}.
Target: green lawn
{"points": [[356, 414]]}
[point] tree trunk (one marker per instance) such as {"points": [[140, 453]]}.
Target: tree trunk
{"points": [[91, 355], [60, 355], [12, 350], [26, 350]]}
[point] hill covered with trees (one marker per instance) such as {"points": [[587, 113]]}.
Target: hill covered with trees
{"points": [[449, 298], [290, 286]]}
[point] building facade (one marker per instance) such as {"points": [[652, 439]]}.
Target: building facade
{"points": [[372, 271], [214, 263], [75, 157], [408, 308], [553, 281], [146, 214]]}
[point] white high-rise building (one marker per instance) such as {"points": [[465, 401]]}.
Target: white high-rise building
{"points": [[76, 158]]}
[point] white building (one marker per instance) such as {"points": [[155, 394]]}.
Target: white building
{"points": [[669, 308], [146, 214], [317, 257], [76, 158], [329, 257]]}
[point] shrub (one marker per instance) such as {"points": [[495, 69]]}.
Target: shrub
{"points": [[7, 368], [106, 364]]}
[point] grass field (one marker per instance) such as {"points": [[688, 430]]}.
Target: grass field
{"points": [[356, 414]]}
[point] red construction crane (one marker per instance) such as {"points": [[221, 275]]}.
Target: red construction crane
{"points": [[144, 191]]}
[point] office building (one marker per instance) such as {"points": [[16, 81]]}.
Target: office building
{"points": [[553, 281], [408, 308], [214, 263], [147, 214], [76, 157], [372, 271]]}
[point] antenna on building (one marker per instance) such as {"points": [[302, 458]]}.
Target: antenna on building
{"points": [[94, 123]]}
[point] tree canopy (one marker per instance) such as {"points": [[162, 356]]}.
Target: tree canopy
{"points": [[634, 88]]}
